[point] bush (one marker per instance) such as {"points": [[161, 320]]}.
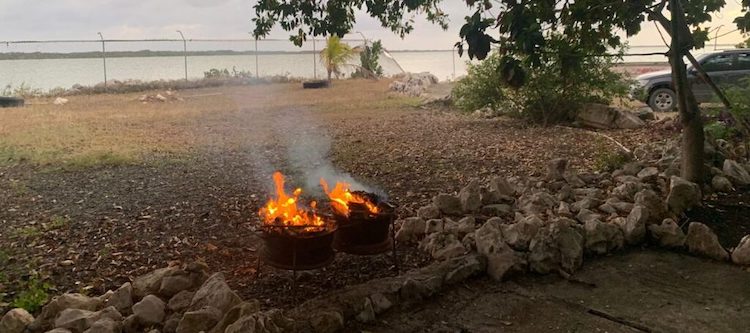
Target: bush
{"points": [[369, 61], [548, 93], [33, 297]]}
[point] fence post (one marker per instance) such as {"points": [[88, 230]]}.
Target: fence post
{"points": [[315, 61], [104, 59], [184, 52], [453, 54], [257, 74]]}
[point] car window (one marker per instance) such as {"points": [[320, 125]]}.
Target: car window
{"points": [[721, 62], [743, 61]]}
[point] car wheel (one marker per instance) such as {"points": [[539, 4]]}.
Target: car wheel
{"points": [[662, 100]]}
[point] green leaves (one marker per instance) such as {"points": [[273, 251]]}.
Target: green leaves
{"points": [[473, 32]]}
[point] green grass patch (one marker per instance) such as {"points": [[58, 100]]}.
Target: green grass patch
{"points": [[57, 222], [33, 296], [28, 232]]}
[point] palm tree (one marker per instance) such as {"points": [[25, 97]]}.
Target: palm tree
{"points": [[335, 55]]}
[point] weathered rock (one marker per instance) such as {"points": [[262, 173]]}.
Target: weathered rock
{"points": [[536, 203], [65, 301], [78, 320], [121, 299], [327, 322], [15, 321], [180, 301], [585, 215], [380, 303], [585, 203], [570, 243], [565, 194], [607, 208], [648, 174], [241, 310], [170, 325], [367, 315], [173, 284], [496, 210], [736, 172], [544, 256], [271, 321], [104, 325], [413, 84], [556, 169], [501, 259], [518, 235], [602, 116], [150, 310], [682, 195], [632, 168], [620, 206], [634, 226], [433, 226], [502, 186], [464, 226], [657, 208], [150, 283], [412, 229], [701, 240], [428, 212], [740, 254], [442, 245], [200, 320], [60, 330], [563, 209], [573, 179], [448, 204], [721, 184], [470, 197], [216, 293], [668, 234], [626, 191], [602, 238]]}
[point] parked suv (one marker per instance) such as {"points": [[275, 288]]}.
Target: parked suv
{"points": [[725, 68]]}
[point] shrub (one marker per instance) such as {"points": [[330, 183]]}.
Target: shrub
{"points": [[546, 94], [369, 61], [33, 297]]}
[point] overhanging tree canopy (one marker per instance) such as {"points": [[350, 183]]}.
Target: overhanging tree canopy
{"points": [[591, 27]]}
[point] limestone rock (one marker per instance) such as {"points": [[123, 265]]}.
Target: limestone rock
{"points": [[464, 226], [518, 235], [736, 172], [216, 293], [721, 184], [602, 238], [657, 208], [634, 226], [501, 259], [150, 310], [15, 321], [556, 169], [433, 226], [150, 283], [327, 322], [701, 240], [411, 229], [470, 197], [585, 215], [173, 284], [78, 320], [585, 203], [121, 299], [447, 204], [619, 205], [442, 245], [428, 212], [180, 301], [104, 325], [740, 254], [496, 210], [668, 234], [367, 315], [241, 310], [626, 191], [65, 301], [502, 186], [200, 320], [536, 203], [602, 116], [648, 174], [380, 303], [682, 195]]}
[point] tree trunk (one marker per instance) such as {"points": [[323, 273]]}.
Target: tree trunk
{"points": [[329, 75], [692, 124]]}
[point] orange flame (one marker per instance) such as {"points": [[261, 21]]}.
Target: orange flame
{"points": [[283, 209], [341, 197]]}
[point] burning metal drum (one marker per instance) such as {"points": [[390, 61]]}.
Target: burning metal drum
{"points": [[364, 231], [297, 251]]}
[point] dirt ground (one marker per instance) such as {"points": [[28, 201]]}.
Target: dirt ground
{"points": [[642, 291], [105, 188]]}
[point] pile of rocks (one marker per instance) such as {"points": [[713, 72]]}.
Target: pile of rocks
{"points": [[169, 96], [168, 300], [413, 84], [548, 224], [603, 116]]}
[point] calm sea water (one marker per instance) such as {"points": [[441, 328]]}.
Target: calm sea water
{"points": [[52, 73]]}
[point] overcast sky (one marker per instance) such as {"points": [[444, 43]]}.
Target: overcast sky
{"points": [[138, 19]]}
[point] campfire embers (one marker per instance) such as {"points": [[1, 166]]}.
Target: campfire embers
{"points": [[297, 237]]}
